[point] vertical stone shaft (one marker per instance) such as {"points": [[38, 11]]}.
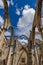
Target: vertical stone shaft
{"points": [[36, 22]]}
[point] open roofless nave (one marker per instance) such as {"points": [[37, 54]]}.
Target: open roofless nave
{"points": [[26, 52]]}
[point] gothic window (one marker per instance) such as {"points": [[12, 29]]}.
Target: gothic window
{"points": [[23, 60]]}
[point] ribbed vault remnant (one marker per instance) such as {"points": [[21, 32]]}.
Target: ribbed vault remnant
{"points": [[31, 54], [7, 22], [36, 23], [4, 50]]}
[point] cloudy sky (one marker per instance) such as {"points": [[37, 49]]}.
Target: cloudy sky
{"points": [[21, 15]]}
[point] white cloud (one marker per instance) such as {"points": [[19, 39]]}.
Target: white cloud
{"points": [[27, 18], [1, 21], [25, 22], [1, 4], [17, 11], [9, 3], [26, 7], [38, 36], [23, 40], [36, 29], [12, 3], [7, 33]]}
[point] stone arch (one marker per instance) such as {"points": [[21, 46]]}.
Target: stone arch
{"points": [[4, 29], [23, 36], [21, 51], [7, 22]]}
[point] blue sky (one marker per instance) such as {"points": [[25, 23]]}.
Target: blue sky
{"points": [[21, 15], [18, 4]]}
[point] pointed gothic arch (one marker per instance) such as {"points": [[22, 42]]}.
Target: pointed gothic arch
{"points": [[7, 24], [36, 23], [21, 51]]}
